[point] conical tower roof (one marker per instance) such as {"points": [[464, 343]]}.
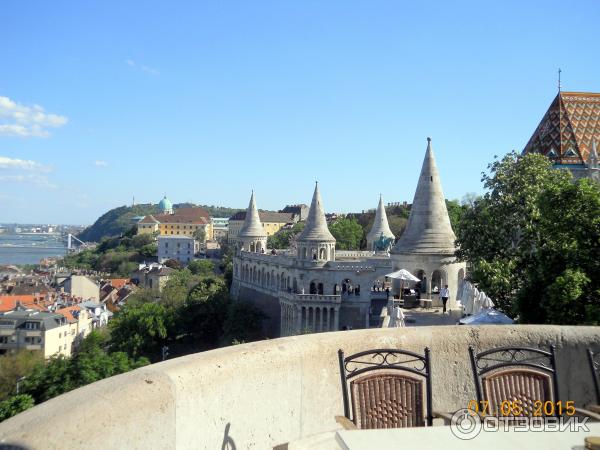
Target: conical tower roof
{"points": [[380, 225], [428, 230], [252, 226], [316, 225]]}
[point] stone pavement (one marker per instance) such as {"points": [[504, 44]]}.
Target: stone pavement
{"points": [[419, 317]]}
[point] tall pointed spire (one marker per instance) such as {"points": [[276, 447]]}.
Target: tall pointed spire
{"points": [[316, 224], [428, 229], [380, 225], [252, 226]]}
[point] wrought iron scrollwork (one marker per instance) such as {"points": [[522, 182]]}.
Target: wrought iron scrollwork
{"points": [[517, 356], [382, 359]]}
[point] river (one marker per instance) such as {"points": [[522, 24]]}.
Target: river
{"points": [[30, 248]]}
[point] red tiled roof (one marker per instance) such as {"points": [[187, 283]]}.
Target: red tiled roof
{"points": [[186, 215], [192, 214], [118, 283], [571, 123], [68, 312], [9, 302], [149, 219]]}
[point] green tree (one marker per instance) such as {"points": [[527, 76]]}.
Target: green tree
{"points": [[15, 366], [348, 233], [244, 323], [202, 267], [176, 289], [15, 405], [202, 315], [282, 238], [455, 212], [200, 235], [532, 241], [141, 330]]}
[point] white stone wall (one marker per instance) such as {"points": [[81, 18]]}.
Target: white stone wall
{"points": [[271, 392]]}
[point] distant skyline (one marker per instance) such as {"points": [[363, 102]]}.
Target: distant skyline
{"points": [[205, 101]]}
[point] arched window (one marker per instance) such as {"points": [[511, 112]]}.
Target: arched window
{"points": [[322, 253]]}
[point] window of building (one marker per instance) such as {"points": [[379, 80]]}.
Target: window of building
{"points": [[3, 339], [6, 323], [59, 335], [32, 325]]}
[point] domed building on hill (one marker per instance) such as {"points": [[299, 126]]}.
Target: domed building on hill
{"points": [[165, 206]]}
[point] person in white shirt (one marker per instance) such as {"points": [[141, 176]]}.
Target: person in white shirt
{"points": [[444, 294]]}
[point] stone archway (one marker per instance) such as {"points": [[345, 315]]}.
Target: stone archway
{"points": [[438, 280]]}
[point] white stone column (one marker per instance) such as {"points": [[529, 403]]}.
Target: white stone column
{"points": [[336, 319], [321, 318]]}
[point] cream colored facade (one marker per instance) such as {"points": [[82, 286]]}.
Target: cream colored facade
{"points": [[147, 228], [81, 286], [271, 227], [51, 333], [185, 229]]}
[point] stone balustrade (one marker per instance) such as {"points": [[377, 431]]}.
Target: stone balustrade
{"points": [[270, 392]]}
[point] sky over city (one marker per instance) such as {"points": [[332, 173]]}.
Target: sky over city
{"points": [[205, 101]]}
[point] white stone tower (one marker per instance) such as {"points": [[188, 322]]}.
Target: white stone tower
{"points": [[426, 248], [252, 236], [380, 226], [315, 242]]}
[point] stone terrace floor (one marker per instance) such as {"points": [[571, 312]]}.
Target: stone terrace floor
{"points": [[419, 317]]}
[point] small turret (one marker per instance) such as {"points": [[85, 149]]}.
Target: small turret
{"points": [[380, 227], [316, 242], [252, 236]]}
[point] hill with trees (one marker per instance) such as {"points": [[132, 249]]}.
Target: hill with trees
{"points": [[118, 221]]}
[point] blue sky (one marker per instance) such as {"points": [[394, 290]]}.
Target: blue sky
{"points": [[208, 100]]}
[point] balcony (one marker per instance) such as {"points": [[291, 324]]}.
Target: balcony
{"points": [[262, 394]]}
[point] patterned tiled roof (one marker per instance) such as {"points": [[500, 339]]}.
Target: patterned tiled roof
{"points": [[568, 129]]}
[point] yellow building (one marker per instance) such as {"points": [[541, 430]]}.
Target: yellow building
{"points": [[148, 225], [272, 222], [182, 222]]}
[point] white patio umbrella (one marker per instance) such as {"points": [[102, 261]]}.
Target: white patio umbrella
{"points": [[402, 274], [487, 317]]}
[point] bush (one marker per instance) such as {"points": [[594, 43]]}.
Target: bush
{"points": [[15, 405]]}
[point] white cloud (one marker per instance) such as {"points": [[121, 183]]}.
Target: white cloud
{"points": [[142, 67], [22, 164], [100, 163], [37, 179], [25, 121]]}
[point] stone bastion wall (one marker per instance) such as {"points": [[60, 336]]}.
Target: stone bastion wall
{"points": [[261, 394]]}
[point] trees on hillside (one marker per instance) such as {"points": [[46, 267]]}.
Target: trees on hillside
{"points": [[533, 241], [348, 233]]}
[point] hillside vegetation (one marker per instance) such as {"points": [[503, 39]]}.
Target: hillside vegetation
{"points": [[117, 221]]}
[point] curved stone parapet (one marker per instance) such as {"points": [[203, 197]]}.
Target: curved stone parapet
{"points": [[266, 393]]}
